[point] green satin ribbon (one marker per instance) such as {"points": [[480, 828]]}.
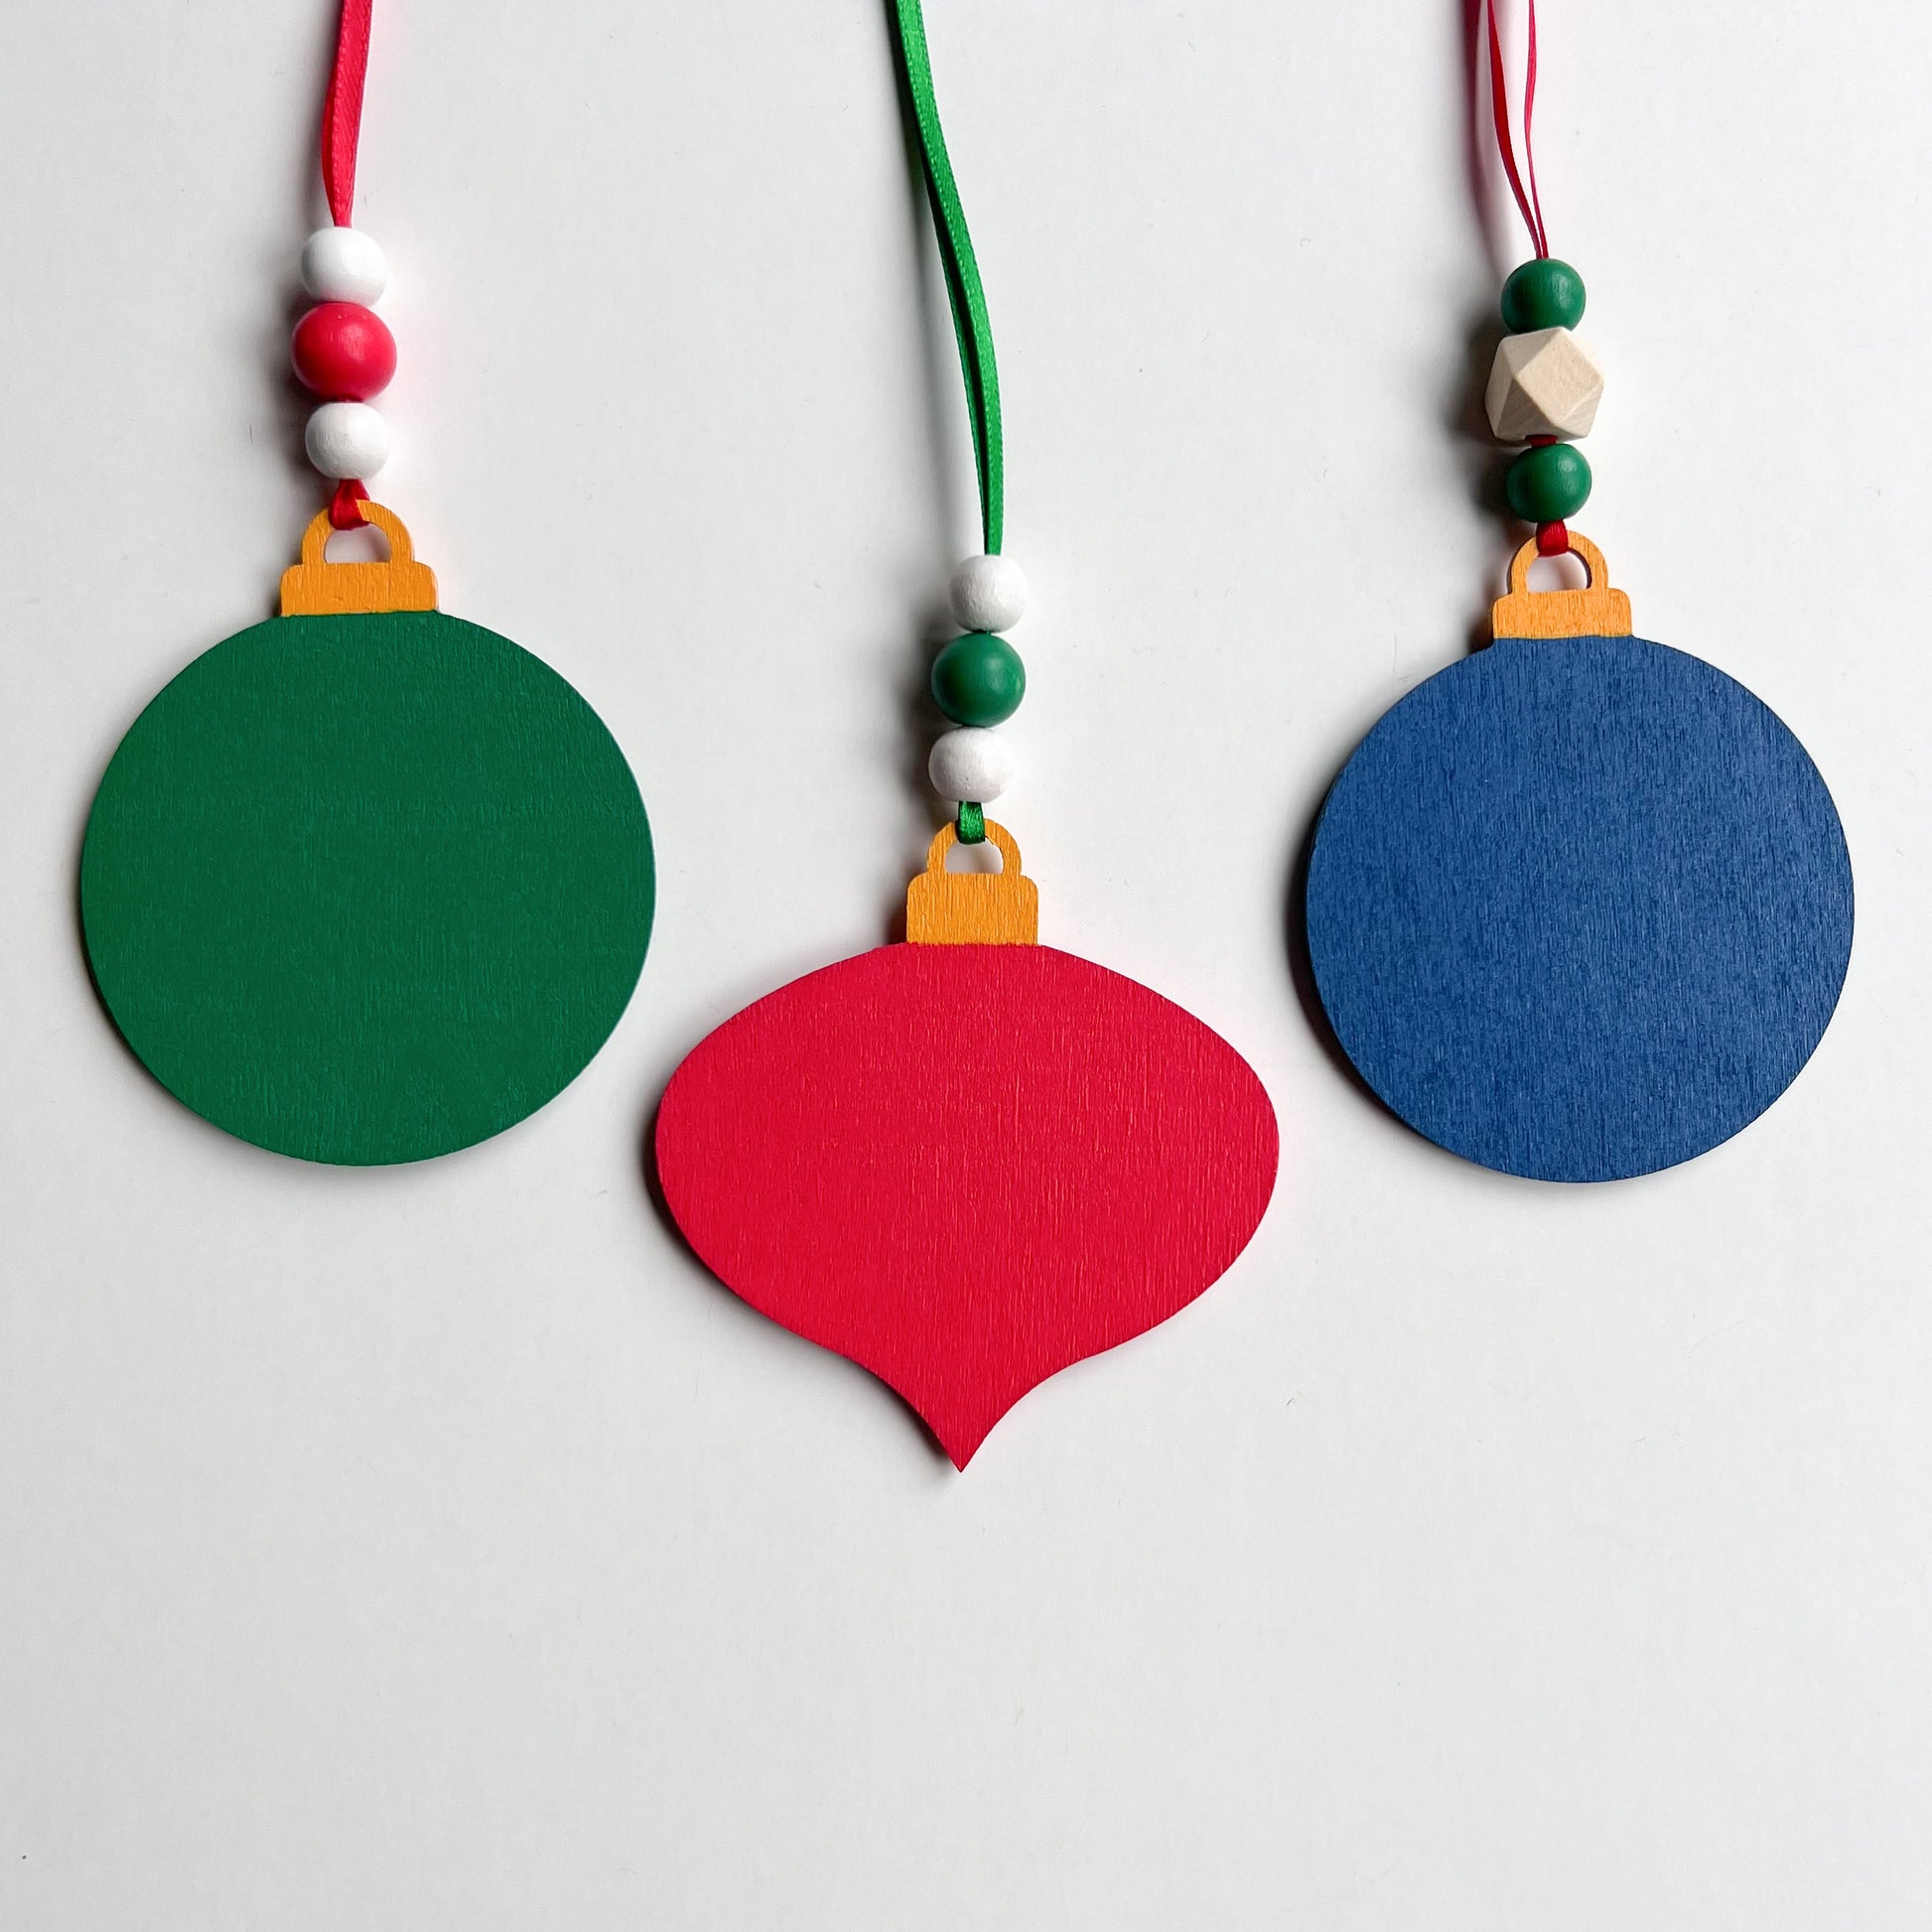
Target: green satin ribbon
{"points": [[971, 826], [968, 298]]}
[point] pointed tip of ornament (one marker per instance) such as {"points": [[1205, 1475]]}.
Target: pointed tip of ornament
{"points": [[959, 1438]]}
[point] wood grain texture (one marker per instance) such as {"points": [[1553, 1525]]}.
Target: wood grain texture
{"points": [[960, 908], [367, 888], [1595, 612], [1580, 910], [1543, 383], [965, 1167], [317, 588]]}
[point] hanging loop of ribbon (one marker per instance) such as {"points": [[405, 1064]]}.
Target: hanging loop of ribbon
{"points": [[341, 110], [1528, 203], [345, 506], [967, 298]]}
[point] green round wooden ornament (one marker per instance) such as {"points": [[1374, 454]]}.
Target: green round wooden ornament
{"points": [[367, 883]]}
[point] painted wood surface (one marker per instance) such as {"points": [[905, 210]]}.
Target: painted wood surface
{"points": [[317, 588], [957, 909], [367, 888], [966, 1166], [1578, 907], [1596, 611]]}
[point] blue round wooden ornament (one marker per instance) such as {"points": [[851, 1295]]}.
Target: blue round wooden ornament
{"points": [[1579, 907]]}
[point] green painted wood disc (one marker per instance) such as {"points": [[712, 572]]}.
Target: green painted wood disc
{"points": [[367, 888]]}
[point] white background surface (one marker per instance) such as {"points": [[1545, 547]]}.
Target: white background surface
{"points": [[440, 1547]]}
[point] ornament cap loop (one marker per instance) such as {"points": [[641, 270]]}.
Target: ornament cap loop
{"points": [[973, 908], [1595, 612], [315, 588]]}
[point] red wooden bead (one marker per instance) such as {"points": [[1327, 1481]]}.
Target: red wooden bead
{"points": [[344, 352]]}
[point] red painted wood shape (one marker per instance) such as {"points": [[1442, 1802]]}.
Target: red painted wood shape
{"points": [[966, 1166]]}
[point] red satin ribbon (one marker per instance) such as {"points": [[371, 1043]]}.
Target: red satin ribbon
{"points": [[341, 110], [346, 507], [1527, 201]]}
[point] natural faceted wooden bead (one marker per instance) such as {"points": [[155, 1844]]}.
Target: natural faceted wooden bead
{"points": [[971, 766], [978, 679], [343, 265], [347, 439], [344, 352], [1545, 294], [988, 593], [1544, 383], [1549, 483]]}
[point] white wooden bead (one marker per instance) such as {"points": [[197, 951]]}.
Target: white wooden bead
{"points": [[988, 593], [343, 265], [1543, 383], [347, 439], [970, 765]]}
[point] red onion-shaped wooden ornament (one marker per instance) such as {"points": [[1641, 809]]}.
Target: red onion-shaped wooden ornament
{"points": [[969, 1161]]}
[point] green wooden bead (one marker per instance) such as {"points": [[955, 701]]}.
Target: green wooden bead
{"points": [[1543, 294], [978, 679], [1548, 484]]}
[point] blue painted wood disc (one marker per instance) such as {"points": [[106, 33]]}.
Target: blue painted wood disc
{"points": [[1579, 909]]}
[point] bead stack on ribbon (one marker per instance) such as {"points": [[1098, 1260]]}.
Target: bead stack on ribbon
{"points": [[342, 349], [1544, 390], [344, 352], [978, 679], [1545, 386]]}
